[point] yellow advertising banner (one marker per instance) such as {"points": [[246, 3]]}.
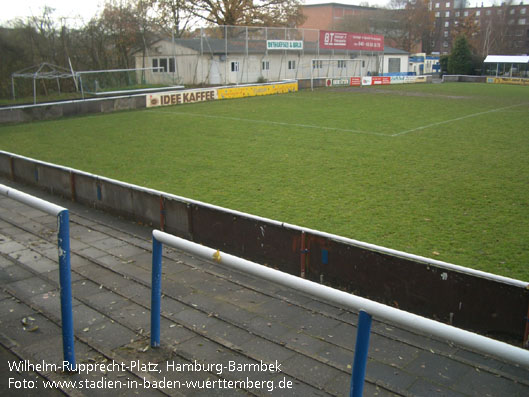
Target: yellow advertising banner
{"points": [[255, 90], [508, 80]]}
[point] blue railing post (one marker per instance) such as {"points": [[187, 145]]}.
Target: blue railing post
{"points": [[156, 292], [361, 349], [66, 287]]}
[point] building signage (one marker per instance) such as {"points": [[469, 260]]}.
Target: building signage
{"points": [[181, 97], [351, 41], [333, 40], [284, 44]]}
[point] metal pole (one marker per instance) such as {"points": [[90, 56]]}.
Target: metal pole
{"points": [[63, 243], [361, 349], [401, 317], [66, 288], [34, 91], [156, 292], [13, 86]]}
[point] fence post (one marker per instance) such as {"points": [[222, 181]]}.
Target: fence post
{"points": [[66, 287], [156, 292], [361, 349]]}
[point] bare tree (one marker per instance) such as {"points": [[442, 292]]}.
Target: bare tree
{"points": [[249, 12]]}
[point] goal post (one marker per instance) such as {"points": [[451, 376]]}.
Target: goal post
{"points": [[334, 68], [101, 82]]}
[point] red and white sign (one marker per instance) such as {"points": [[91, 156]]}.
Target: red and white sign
{"points": [[351, 41], [381, 80], [376, 80], [365, 42], [356, 81], [333, 40]]}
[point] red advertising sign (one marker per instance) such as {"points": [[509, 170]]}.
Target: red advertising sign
{"points": [[380, 80], [356, 81], [333, 40], [351, 41], [365, 42]]}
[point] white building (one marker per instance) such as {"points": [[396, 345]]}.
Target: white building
{"points": [[422, 63], [214, 61]]}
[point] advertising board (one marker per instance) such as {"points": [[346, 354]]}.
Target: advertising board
{"points": [[408, 79], [181, 97], [508, 80], [284, 44], [343, 82], [331, 40], [256, 90]]}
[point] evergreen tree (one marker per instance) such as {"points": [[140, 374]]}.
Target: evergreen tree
{"points": [[460, 59]]}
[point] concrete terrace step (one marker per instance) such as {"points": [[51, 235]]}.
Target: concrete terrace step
{"points": [[217, 325]]}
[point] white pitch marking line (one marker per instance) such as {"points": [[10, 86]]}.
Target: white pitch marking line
{"points": [[457, 119], [273, 123]]}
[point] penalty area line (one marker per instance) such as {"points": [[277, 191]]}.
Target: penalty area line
{"points": [[283, 124], [458, 119]]}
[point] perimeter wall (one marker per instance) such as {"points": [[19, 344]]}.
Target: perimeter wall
{"points": [[485, 304]]}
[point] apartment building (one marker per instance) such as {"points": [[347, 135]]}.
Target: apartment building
{"points": [[503, 28]]}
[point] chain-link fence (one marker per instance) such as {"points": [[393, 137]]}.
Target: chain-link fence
{"points": [[239, 54]]}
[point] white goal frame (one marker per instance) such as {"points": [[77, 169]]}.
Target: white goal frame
{"points": [[330, 63]]}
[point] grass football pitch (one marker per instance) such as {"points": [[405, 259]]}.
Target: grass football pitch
{"points": [[439, 170]]}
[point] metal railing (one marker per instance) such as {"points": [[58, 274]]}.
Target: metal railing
{"points": [[370, 308], [63, 242]]}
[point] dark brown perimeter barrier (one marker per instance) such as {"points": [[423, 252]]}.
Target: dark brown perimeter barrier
{"points": [[491, 305]]}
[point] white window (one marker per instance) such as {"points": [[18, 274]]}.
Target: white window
{"points": [[235, 66], [512, 11], [437, 14], [522, 11], [436, 5], [446, 33], [478, 13], [265, 65], [521, 21], [465, 13], [291, 65], [447, 24], [447, 14], [458, 13], [448, 5]]}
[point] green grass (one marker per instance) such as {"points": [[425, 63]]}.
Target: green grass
{"points": [[456, 191]]}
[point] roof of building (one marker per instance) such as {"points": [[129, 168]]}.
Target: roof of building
{"points": [[338, 5], [507, 59], [238, 46]]}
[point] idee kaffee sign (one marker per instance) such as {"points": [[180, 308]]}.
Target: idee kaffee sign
{"points": [[330, 40]]}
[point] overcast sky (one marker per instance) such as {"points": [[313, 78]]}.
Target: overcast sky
{"points": [[85, 9]]}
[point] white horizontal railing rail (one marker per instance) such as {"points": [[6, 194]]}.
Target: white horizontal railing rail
{"points": [[63, 242], [377, 310]]}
